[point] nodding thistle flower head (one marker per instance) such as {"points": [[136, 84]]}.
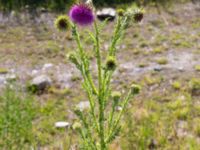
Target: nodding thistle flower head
{"points": [[120, 12], [62, 23], [138, 15], [82, 14], [135, 89], [111, 63], [116, 96]]}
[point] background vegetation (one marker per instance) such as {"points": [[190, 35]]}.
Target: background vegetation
{"points": [[60, 5]]}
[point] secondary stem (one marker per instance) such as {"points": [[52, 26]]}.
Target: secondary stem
{"points": [[86, 72]]}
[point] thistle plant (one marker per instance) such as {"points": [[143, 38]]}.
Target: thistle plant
{"points": [[100, 125]]}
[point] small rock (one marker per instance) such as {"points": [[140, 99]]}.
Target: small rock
{"points": [[62, 124], [34, 72], [47, 66], [41, 82], [83, 105], [43, 10], [181, 69], [181, 129], [106, 13], [2, 80], [11, 77], [158, 69], [118, 108]]}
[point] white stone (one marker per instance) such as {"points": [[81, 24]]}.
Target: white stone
{"points": [[47, 66], [105, 13], [41, 82], [62, 124]]}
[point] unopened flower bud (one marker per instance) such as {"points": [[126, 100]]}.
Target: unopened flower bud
{"points": [[135, 89], [62, 23], [116, 96], [120, 12], [138, 15], [111, 63]]}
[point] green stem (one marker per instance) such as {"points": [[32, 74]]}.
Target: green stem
{"points": [[119, 116], [121, 23], [111, 116], [100, 95], [86, 73], [115, 38], [92, 108]]}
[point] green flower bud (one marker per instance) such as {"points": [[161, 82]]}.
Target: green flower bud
{"points": [[76, 126], [138, 15], [111, 63], [135, 89], [116, 96], [62, 23], [120, 12]]}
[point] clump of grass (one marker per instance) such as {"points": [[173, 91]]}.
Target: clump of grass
{"points": [[158, 50], [197, 130], [197, 67], [183, 113], [136, 51], [162, 61], [142, 65], [16, 115], [3, 71], [151, 80], [194, 86], [176, 85]]}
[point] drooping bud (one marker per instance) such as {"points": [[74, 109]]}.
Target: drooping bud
{"points": [[116, 96], [135, 89], [62, 23], [138, 15], [111, 63]]}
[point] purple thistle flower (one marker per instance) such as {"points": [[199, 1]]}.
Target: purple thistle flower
{"points": [[82, 14]]}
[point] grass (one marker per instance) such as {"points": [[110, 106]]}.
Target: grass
{"points": [[176, 85], [162, 61], [197, 67], [194, 85], [16, 115], [3, 71]]}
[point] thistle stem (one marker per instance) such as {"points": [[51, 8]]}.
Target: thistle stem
{"points": [[82, 54], [112, 129], [100, 95]]}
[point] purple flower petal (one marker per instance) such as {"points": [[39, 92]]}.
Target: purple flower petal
{"points": [[81, 14]]}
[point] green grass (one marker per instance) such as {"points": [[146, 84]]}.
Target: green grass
{"points": [[3, 71], [16, 115], [162, 61]]}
